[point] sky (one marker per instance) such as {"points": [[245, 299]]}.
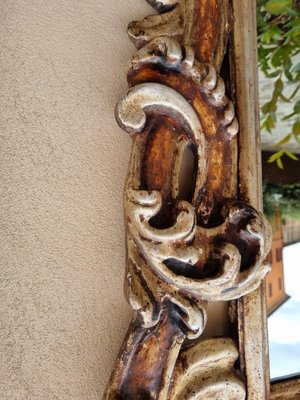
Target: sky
{"points": [[284, 323]]}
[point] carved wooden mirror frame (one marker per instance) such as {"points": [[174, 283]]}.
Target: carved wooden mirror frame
{"points": [[200, 239]]}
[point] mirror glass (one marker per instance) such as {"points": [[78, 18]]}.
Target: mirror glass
{"points": [[279, 78], [281, 190]]}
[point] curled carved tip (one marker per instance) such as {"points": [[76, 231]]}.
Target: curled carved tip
{"points": [[164, 50], [168, 24], [131, 110], [137, 34]]}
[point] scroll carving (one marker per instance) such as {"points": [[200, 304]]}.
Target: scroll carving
{"points": [[185, 246]]}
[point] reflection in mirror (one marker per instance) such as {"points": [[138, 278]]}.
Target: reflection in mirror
{"points": [[279, 75], [281, 191]]}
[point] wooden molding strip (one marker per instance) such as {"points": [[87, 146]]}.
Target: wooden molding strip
{"points": [[252, 318]]}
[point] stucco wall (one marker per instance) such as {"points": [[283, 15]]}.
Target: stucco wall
{"points": [[63, 163], [62, 169]]}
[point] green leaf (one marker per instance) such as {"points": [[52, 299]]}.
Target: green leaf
{"points": [[279, 163], [278, 55], [275, 156], [294, 92], [275, 33], [291, 155], [276, 7], [288, 74], [270, 122], [266, 37], [277, 36], [273, 115], [297, 107], [288, 116], [260, 19], [291, 12], [278, 85], [266, 108], [273, 106], [283, 98], [284, 140], [287, 59], [274, 74], [296, 128]]}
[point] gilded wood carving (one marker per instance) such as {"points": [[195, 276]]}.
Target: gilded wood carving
{"points": [[189, 238]]}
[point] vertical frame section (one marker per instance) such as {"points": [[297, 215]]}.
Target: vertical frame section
{"points": [[252, 318]]}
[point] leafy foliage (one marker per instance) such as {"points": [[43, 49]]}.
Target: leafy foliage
{"points": [[278, 43], [284, 196]]}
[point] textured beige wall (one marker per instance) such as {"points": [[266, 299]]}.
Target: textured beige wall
{"points": [[62, 169]]}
